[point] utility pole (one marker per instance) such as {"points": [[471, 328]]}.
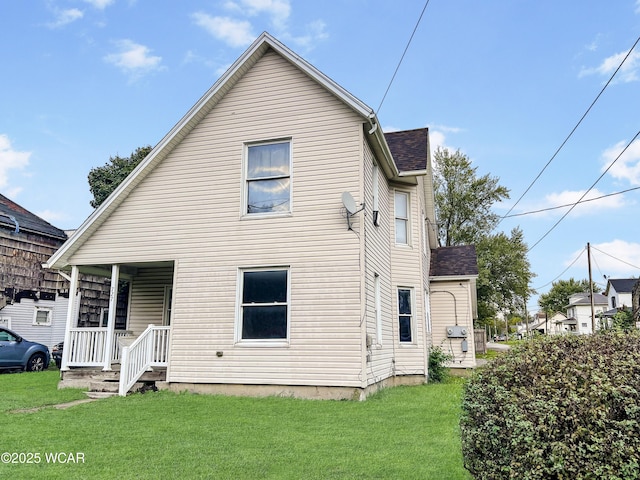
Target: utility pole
{"points": [[593, 313]]}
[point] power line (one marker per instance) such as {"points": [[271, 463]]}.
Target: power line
{"points": [[569, 204], [565, 270], [585, 193], [402, 57], [615, 258], [572, 131]]}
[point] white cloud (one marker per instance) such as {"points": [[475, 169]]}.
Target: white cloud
{"points": [[627, 73], [278, 10], [240, 32], [65, 17], [10, 159], [100, 4], [236, 33], [51, 216], [568, 197], [134, 59], [437, 137], [627, 167], [615, 259]]}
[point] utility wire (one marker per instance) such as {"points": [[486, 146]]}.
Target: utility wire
{"points": [[572, 131], [569, 204], [402, 57], [585, 193], [615, 258], [565, 270]]}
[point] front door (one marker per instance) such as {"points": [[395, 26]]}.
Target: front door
{"points": [[166, 316]]}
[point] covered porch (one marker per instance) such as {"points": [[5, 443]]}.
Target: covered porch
{"points": [[130, 333]]}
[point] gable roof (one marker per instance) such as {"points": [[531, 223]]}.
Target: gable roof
{"points": [[19, 219], [455, 261], [585, 299], [205, 104], [410, 149], [621, 285]]}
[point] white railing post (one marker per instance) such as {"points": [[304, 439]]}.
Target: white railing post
{"points": [[73, 287], [149, 349]]}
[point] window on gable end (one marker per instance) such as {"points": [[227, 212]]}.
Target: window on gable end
{"points": [[268, 178]]}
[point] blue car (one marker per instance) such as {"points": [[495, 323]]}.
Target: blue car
{"points": [[18, 353]]}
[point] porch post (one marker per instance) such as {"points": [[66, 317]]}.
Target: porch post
{"points": [[111, 322], [71, 318]]}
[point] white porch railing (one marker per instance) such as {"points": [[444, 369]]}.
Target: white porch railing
{"points": [[88, 346], [149, 349]]}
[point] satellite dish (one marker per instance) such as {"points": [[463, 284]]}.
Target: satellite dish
{"points": [[349, 203]]}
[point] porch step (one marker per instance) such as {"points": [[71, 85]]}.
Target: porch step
{"points": [[99, 395], [103, 384]]}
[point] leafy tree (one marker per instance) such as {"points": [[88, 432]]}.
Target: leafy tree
{"points": [[504, 273], [104, 180], [463, 209], [557, 298], [463, 200]]}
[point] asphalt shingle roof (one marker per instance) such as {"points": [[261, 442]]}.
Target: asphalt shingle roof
{"points": [[409, 149], [454, 261], [622, 285], [26, 220]]}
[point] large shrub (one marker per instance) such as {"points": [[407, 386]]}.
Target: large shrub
{"points": [[564, 407]]}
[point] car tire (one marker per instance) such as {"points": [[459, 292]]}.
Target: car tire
{"points": [[35, 363]]}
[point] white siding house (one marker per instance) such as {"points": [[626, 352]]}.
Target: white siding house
{"points": [[239, 250]]}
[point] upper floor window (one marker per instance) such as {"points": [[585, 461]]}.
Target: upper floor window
{"points": [[268, 178], [375, 185], [402, 217]]}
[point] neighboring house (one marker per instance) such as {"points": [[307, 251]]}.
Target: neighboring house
{"points": [[33, 300], [618, 292], [635, 302], [251, 269], [453, 298], [579, 313]]}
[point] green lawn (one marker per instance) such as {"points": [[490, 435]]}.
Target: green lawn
{"points": [[400, 433]]}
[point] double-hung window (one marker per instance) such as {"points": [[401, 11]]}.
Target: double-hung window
{"points": [[268, 178], [405, 315], [402, 218], [264, 304]]}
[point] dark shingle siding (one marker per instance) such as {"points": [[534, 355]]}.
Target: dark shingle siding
{"points": [[454, 261], [409, 149]]}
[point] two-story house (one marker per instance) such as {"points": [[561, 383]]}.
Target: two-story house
{"points": [[275, 241], [619, 291], [579, 319]]}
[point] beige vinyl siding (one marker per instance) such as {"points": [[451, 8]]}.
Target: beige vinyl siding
{"points": [[188, 210], [378, 260], [445, 313], [407, 272], [146, 301]]}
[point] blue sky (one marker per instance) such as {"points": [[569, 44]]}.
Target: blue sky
{"points": [[504, 81]]}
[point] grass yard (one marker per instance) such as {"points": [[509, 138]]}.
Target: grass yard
{"points": [[399, 433]]}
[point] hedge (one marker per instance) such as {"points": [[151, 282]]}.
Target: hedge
{"points": [[561, 407]]}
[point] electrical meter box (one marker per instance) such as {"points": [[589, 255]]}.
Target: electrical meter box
{"points": [[456, 331]]}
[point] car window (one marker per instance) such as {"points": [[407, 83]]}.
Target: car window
{"points": [[6, 337]]}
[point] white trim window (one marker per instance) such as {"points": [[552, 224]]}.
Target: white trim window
{"points": [[378, 308], [375, 180], [402, 217], [264, 304], [42, 316], [405, 315], [268, 178], [5, 322]]}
